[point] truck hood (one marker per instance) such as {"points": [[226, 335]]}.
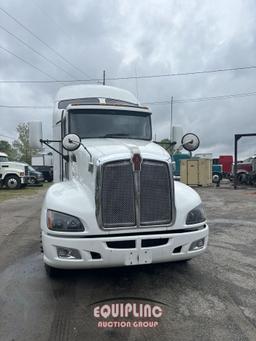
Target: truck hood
{"points": [[74, 199], [13, 165], [103, 148]]}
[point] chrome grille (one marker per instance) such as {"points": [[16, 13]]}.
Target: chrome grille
{"points": [[155, 193], [118, 208], [118, 194]]}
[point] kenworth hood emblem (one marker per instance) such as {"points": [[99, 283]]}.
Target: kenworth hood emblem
{"points": [[136, 162]]}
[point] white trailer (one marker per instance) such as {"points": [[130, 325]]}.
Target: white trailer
{"points": [[42, 160], [114, 202]]}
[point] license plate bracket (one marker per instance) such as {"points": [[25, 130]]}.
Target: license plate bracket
{"points": [[135, 257]]}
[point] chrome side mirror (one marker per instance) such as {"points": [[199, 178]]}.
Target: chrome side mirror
{"points": [[190, 142], [71, 142]]}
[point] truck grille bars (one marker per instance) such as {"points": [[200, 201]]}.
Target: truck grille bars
{"points": [[118, 206], [155, 195], [132, 198]]}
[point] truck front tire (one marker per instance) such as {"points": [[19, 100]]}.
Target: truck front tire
{"points": [[12, 182]]}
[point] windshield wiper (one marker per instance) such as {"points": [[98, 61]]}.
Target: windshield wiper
{"points": [[116, 135]]}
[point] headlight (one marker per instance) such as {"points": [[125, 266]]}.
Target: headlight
{"points": [[57, 221], [196, 215]]}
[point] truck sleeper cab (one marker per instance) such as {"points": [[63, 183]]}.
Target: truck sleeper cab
{"points": [[115, 202]]}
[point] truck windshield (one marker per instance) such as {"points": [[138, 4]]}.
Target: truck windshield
{"points": [[100, 123], [3, 158]]}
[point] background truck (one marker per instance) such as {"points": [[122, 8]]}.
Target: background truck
{"points": [[226, 161], [246, 171], [34, 177], [114, 201], [43, 163], [13, 175]]}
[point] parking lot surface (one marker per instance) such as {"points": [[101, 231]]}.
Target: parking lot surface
{"points": [[212, 297]]}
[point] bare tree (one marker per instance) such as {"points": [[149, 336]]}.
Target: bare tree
{"points": [[24, 151]]}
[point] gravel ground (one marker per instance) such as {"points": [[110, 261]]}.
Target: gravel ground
{"points": [[212, 297]]}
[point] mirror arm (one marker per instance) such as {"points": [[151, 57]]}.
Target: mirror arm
{"points": [[84, 148], [87, 152], [47, 143], [90, 164]]}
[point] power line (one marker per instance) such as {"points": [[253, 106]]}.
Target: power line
{"points": [[26, 106], [43, 42], [178, 74], [202, 99], [185, 73], [186, 100], [50, 17], [26, 62], [52, 81], [35, 51], [220, 97]]}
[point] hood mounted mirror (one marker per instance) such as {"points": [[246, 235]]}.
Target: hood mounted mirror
{"points": [[71, 142], [190, 142]]}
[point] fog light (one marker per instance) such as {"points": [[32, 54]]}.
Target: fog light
{"points": [[64, 252], [196, 245]]}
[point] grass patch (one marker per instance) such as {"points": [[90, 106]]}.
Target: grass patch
{"points": [[6, 194]]}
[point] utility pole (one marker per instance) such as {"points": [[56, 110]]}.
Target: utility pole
{"points": [[171, 118], [104, 77], [136, 82]]}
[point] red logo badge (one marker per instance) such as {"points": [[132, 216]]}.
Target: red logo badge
{"points": [[136, 161]]}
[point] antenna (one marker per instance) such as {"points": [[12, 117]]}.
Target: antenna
{"points": [[104, 77], [171, 119]]}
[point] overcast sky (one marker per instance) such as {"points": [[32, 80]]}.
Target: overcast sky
{"points": [[126, 37]]}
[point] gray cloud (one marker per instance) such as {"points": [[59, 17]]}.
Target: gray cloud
{"points": [[148, 37]]}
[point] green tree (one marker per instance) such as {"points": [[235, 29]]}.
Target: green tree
{"points": [[24, 151], [166, 144], [6, 147]]}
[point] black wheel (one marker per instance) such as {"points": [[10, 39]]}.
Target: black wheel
{"points": [[48, 177], [216, 177], [33, 181], [23, 185], [242, 177], [12, 182], [52, 272]]}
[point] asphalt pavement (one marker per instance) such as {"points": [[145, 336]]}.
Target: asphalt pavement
{"points": [[212, 297]]}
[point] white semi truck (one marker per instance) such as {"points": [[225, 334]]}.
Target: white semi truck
{"points": [[114, 201], [13, 175]]}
